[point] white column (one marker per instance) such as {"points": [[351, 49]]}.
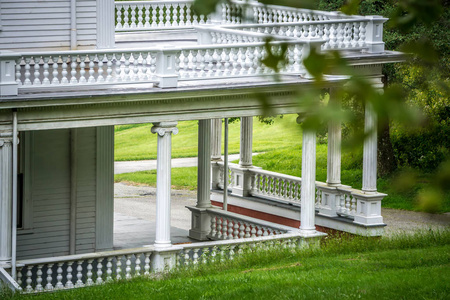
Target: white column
{"points": [[204, 164], [105, 24], [216, 151], [245, 159], [163, 181], [370, 151], [216, 139], [5, 196], [308, 194], [334, 146]]}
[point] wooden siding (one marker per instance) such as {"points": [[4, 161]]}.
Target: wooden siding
{"points": [[45, 24], [50, 193]]}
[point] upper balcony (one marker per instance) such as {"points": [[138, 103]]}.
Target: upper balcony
{"points": [[164, 45]]}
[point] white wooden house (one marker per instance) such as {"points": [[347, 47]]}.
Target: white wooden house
{"points": [[72, 69]]}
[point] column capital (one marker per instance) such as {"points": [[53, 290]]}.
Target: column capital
{"points": [[161, 128], [6, 138]]}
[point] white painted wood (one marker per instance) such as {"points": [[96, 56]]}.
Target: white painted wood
{"points": [[308, 194], [104, 188], [334, 146], [245, 158], [50, 193], [105, 24], [370, 151], [164, 131], [45, 16], [204, 164], [5, 196]]}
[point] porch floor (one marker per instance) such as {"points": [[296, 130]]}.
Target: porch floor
{"points": [[135, 215]]}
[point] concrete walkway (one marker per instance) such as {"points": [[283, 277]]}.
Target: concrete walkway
{"points": [[145, 165]]}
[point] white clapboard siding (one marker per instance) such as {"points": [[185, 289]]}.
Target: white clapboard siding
{"points": [[29, 25], [50, 193]]}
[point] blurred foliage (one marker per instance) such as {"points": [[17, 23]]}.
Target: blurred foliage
{"points": [[416, 95]]}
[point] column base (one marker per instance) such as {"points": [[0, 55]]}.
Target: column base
{"points": [[163, 260], [200, 223]]}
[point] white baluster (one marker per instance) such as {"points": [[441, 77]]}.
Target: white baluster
{"points": [[247, 230], [99, 271], [109, 268], [29, 281], [37, 71], [128, 267], [46, 81], [100, 77], [82, 69], [119, 16], [55, 80], [64, 79], [240, 230], [69, 276], [231, 229], [119, 268], [19, 277], [59, 277], [126, 23], [213, 225], [147, 16], [39, 287], [89, 280], [219, 228], [195, 256], [91, 68], [73, 70], [225, 229], [147, 264], [140, 13], [137, 269]]}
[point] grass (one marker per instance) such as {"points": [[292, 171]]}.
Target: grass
{"points": [[136, 142], [401, 267]]}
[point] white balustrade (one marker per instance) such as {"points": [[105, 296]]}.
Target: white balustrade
{"points": [[275, 185], [94, 67], [156, 15], [226, 225], [66, 272], [337, 34], [347, 204], [192, 255]]}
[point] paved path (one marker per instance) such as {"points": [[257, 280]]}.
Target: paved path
{"points": [[145, 165]]}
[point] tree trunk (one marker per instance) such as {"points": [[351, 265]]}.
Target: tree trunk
{"points": [[387, 162]]}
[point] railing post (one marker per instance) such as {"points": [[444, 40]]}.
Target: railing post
{"points": [[374, 33], [368, 208], [8, 84], [330, 198], [166, 68]]}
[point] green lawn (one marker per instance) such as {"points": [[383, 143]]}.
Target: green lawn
{"points": [[402, 267], [136, 142]]}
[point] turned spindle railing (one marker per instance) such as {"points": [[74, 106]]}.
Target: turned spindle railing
{"points": [[226, 225], [74, 271]]}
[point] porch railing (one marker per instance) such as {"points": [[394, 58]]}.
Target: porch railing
{"points": [[178, 14], [163, 67], [330, 201], [75, 271]]}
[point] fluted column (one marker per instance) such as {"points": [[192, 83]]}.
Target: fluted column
{"points": [[216, 151], [216, 139], [5, 196], [204, 164], [163, 181], [308, 194], [369, 183], [105, 24], [245, 159], [334, 146]]}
